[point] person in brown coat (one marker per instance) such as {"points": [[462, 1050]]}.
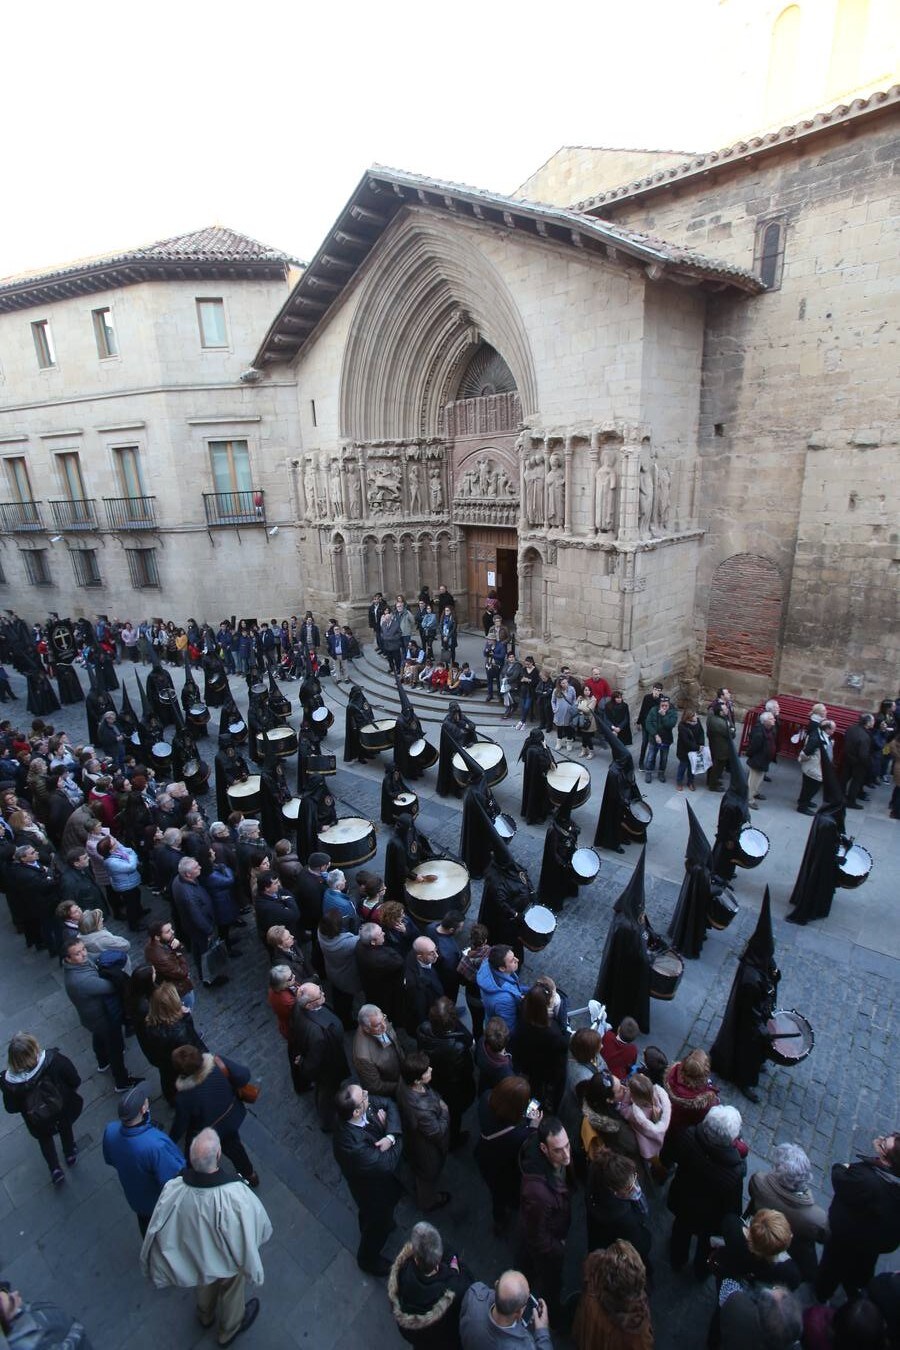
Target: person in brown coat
{"points": [[166, 955], [376, 1052], [613, 1312], [426, 1129]]}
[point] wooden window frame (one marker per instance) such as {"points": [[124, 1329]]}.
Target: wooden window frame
{"points": [[44, 347], [219, 300], [84, 565], [37, 568], [102, 331]]}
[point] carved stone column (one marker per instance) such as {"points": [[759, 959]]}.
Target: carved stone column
{"points": [[379, 549], [595, 464], [356, 571], [629, 523], [567, 505]]}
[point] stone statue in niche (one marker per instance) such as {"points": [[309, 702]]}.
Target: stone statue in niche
{"points": [[337, 496], [414, 484], [662, 497], [384, 486], [556, 492], [502, 486], [605, 487], [535, 478], [645, 497], [435, 489], [354, 495], [309, 490]]}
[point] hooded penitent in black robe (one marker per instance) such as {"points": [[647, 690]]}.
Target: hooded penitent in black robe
{"points": [[405, 850], [359, 714], [507, 894], [259, 719], [41, 694], [391, 786], [96, 704], [127, 718], [230, 716], [734, 813], [623, 983], [477, 838], [185, 755], [456, 731], [407, 732], [318, 809], [161, 691], [619, 791], [690, 920], [106, 671], [818, 876], [307, 745], [190, 698], [274, 793], [216, 691], [557, 880], [231, 768], [742, 1045], [279, 703], [537, 759], [63, 648]]}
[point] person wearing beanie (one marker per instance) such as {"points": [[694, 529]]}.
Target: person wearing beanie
{"points": [[143, 1155]]}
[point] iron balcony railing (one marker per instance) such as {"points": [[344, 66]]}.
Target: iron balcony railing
{"points": [[130, 513], [80, 514], [235, 508], [18, 516]]}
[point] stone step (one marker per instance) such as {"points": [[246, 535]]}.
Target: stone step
{"points": [[371, 673]]}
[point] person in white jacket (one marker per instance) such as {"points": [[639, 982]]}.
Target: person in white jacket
{"points": [[205, 1234]]}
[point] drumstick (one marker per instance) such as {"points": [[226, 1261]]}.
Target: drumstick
{"points": [[784, 1035]]}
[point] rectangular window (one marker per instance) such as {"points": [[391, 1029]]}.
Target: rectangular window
{"points": [[43, 344], [769, 252], [37, 569], [84, 563], [17, 476], [143, 569], [211, 317], [128, 470], [230, 466], [70, 473], [104, 333]]}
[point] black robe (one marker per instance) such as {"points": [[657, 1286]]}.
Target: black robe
{"points": [[623, 981], [307, 745], [408, 730], [259, 719], [619, 791], [230, 769], [536, 804], [318, 809], [405, 850], [557, 880], [687, 930], [391, 786], [96, 704], [816, 881], [742, 1045], [359, 713], [619, 715], [507, 894], [478, 838], [456, 731], [216, 690], [70, 690], [734, 813], [229, 716], [274, 794], [161, 695], [41, 694], [106, 672]]}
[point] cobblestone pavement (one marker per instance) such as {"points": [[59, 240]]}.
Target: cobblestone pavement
{"points": [[78, 1245]]}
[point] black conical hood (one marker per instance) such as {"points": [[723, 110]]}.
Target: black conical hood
{"points": [[90, 663], [407, 711], [563, 813], [127, 715], [631, 902], [535, 737], [698, 852], [474, 768], [760, 949], [178, 712], [620, 753], [738, 785], [832, 793], [191, 687]]}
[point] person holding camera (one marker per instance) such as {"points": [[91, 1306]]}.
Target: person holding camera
{"points": [[506, 1315]]}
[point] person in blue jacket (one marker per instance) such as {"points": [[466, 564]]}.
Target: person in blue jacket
{"points": [[143, 1155], [501, 990]]}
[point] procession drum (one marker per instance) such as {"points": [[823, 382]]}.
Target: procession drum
{"points": [[198, 716], [291, 813], [246, 796], [238, 732], [537, 926], [791, 1037], [218, 680], [752, 847], [375, 737], [854, 863], [405, 803], [562, 778], [349, 841], [196, 775], [666, 970], [261, 690], [161, 757], [722, 909], [323, 764], [491, 758], [322, 719], [283, 740], [505, 826], [434, 887], [585, 865], [636, 818], [423, 754]]}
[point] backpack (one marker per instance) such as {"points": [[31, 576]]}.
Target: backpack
{"points": [[43, 1102]]}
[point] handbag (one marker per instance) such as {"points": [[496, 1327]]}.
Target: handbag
{"points": [[249, 1092], [214, 961], [700, 760]]}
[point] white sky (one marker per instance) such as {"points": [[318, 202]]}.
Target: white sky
{"points": [[124, 124]]}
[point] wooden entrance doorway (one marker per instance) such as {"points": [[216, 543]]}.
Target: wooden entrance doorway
{"points": [[492, 564]]}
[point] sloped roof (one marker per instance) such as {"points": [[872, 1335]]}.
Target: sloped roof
{"points": [[382, 193], [748, 151], [213, 252]]}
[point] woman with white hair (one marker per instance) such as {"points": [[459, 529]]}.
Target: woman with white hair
{"points": [[97, 937], [815, 742], [788, 1188], [708, 1184]]}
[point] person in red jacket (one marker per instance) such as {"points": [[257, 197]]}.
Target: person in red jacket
{"points": [[618, 1049]]}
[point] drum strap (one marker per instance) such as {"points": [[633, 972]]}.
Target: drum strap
{"points": [[498, 1134]]}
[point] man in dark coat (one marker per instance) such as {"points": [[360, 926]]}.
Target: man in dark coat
{"points": [[32, 894], [359, 714], [863, 1220], [619, 792], [557, 880], [456, 730], [274, 905], [316, 1048], [818, 876], [546, 1209], [422, 982], [381, 971], [367, 1146], [857, 759], [649, 701], [691, 918], [742, 1045], [195, 908], [623, 983], [734, 813], [537, 759], [506, 895], [708, 1184]]}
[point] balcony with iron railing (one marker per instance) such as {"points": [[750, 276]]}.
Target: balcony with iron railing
{"points": [[235, 508], [21, 516], [130, 513], [78, 514]]}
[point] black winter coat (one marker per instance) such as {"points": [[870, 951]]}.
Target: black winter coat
{"points": [[62, 1072], [708, 1184]]}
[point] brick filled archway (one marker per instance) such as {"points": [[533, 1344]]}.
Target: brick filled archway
{"points": [[743, 627]]}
